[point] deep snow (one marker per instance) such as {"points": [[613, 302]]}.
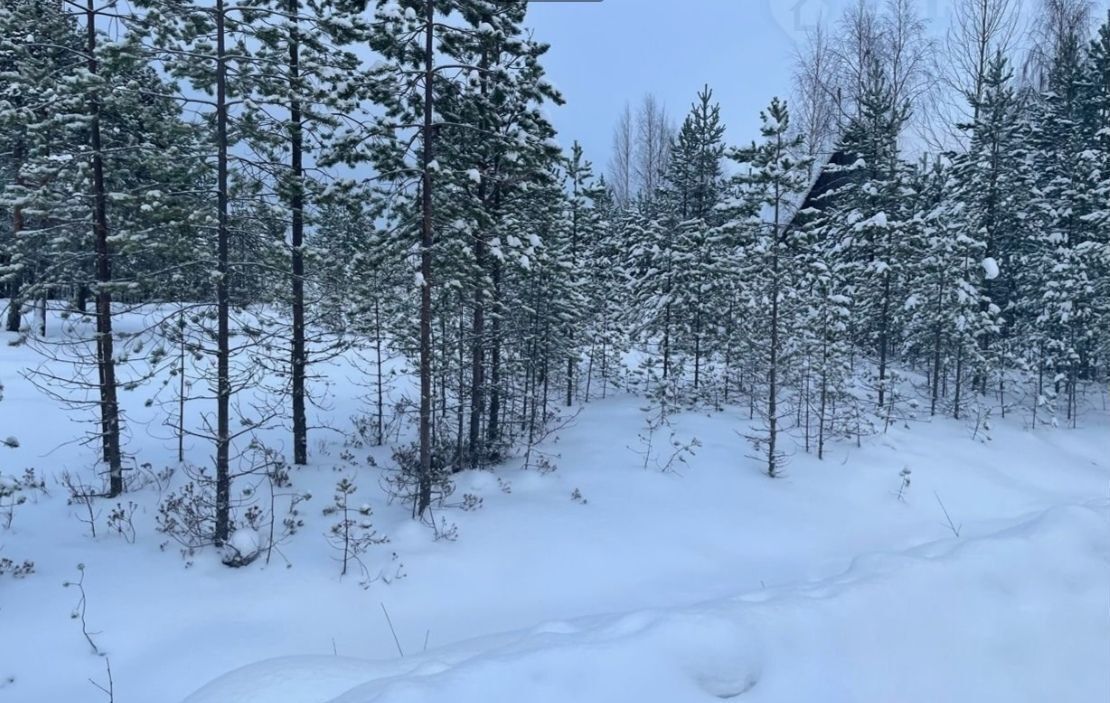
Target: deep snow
{"points": [[711, 584]]}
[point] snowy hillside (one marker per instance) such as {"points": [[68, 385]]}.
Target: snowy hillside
{"points": [[598, 581]]}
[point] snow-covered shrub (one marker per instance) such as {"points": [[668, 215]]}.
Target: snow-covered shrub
{"points": [[904, 474], [11, 495], [82, 498], [543, 433], [470, 502], [281, 488], [121, 520], [354, 532], [146, 477], [403, 483], [188, 514], [16, 569], [444, 531], [14, 491], [663, 398]]}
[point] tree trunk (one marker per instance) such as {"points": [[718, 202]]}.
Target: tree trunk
{"points": [[296, 205], [493, 426], [15, 304], [109, 403], [937, 336], [477, 358], [424, 494], [773, 368], [223, 294], [884, 341], [380, 435]]}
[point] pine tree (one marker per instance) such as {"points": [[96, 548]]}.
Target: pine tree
{"points": [[873, 220], [39, 42], [1097, 250], [1058, 319], [211, 48], [472, 113], [773, 181], [603, 273], [103, 187], [989, 193], [305, 79], [675, 253]]}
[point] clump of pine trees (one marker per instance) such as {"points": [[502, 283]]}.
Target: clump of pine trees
{"points": [[263, 197]]}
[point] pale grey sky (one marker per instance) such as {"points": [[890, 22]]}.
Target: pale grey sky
{"points": [[604, 53]]}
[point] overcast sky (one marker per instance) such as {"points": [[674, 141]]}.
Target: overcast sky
{"points": [[604, 53]]}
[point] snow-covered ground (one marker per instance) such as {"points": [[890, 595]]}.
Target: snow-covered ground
{"points": [[713, 583]]}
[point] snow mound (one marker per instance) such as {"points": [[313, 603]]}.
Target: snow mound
{"points": [[893, 626], [243, 547]]}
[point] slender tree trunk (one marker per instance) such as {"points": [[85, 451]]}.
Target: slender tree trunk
{"points": [[460, 448], [493, 426], [105, 453], [572, 361], [477, 358], [223, 294], [546, 384], [296, 203], [424, 495], [697, 346], [728, 350], [807, 392], [1040, 386], [590, 372], [380, 438], [15, 304], [1002, 390], [604, 370], [43, 295], [181, 392], [81, 299], [884, 341], [959, 383], [109, 403], [937, 336], [667, 339], [821, 415], [773, 368], [444, 372]]}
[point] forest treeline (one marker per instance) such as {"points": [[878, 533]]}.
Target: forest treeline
{"points": [[922, 231]]}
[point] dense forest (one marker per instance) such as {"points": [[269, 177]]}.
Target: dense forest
{"points": [[921, 229]]}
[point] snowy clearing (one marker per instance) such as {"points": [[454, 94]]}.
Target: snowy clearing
{"points": [[598, 581]]}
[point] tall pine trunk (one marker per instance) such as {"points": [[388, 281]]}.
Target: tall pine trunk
{"points": [[15, 304], [773, 369], [493, 426], [380, 432], [223, 293], [424, 489], [296, 203], [109, 403]]}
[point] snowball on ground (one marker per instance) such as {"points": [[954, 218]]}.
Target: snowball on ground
{"points": [[246, 542]]}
